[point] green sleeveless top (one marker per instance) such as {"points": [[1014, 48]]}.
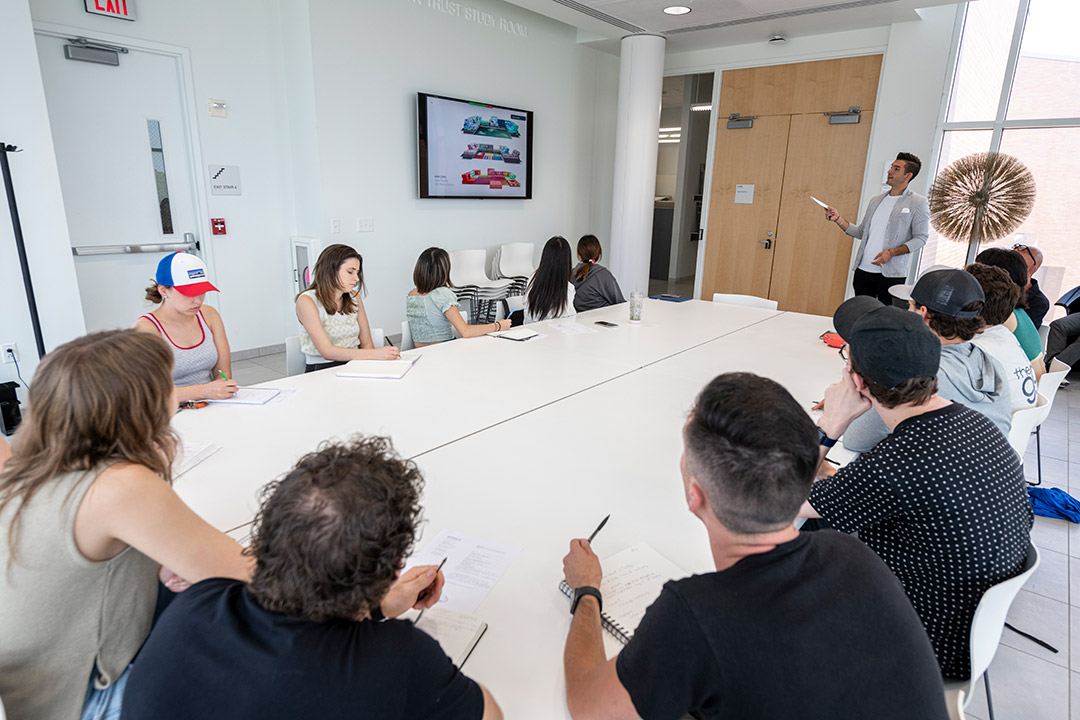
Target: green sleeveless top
{"points": [[1028, 336]]}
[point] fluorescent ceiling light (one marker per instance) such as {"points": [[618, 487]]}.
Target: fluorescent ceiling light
{"points": [[674, 129], [669, 141], [676, 10], [703, 107], [662, 136]]}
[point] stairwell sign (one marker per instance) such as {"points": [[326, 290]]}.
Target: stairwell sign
{"points": [[123, 9], [225, 180]]}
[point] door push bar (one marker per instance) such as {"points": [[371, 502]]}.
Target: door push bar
{"points": [[190, 246]]}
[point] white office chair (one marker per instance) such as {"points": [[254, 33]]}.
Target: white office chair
{"points": [[378, 337], [1049, 384], [986, 628], [294, 359], [406, 342], [744, 300], [1044, 332], [472, 283], [1024, 422]]}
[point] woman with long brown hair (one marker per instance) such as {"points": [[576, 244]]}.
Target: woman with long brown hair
{"points": [[595, 286], [336, 328], [88, 518]]}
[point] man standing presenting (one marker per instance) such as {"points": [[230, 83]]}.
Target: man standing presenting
{"points": [[894, 225]]}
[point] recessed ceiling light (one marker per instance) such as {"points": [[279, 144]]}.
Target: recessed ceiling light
{"points": [[676, 10]]}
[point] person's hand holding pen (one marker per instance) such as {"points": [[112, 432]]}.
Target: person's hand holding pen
{"points": [[581, 566], [222, 389], [419, 587]]}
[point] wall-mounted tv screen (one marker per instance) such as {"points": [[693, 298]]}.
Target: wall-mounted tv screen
{"points": [[470, 149]]}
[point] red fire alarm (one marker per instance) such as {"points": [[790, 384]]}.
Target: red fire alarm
{"points": [[217, 225]]}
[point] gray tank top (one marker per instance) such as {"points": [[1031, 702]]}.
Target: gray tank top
{"points": [[191, 365], [60, 614]]}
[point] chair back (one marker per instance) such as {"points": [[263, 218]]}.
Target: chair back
{"points": [[744, 300], [1024, 422], [1044, 333], [294, 359], [406, 337], [467, 267], [1051, 379], [955, 704], [989, 619], [378, 337], [515, 259]]}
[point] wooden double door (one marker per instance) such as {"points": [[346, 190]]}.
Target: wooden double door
{"points": [[765, 235]]}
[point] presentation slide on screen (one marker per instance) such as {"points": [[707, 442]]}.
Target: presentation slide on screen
{"points": [[475, 150]]}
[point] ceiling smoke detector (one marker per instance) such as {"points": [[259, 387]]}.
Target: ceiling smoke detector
{"points": [[777, 39]]}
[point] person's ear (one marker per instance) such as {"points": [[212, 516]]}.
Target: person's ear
{"points": [[695, 498]]}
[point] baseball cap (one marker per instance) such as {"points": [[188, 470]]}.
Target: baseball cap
{"points": [[851, 310], [948, 291], [903, 292], [186, 273], [889, 345]]}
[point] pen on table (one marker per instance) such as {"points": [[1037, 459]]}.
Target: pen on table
{"points": [[426, 591], [599, 528]]}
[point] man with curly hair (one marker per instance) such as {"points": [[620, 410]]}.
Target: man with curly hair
{"points": [[312, 634]]}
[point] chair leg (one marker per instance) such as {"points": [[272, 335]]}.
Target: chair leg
{"points": [[989, 700], [1032, 638], [1038, 458]]}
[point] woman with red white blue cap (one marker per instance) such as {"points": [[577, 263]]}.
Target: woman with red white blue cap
{"points": [[194, 331]]}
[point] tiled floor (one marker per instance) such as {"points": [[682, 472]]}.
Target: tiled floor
{"points": [[682, 288], [1028, 682]]}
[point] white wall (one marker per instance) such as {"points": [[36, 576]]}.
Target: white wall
{"points": [[243, 52], [24, 122], [371, 58], [910, 90]]}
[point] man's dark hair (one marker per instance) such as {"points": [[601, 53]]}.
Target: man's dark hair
{"points": [[330, 536], [916, 391], [950, 328], [1011, 262], [1000, 291], [912, 164], [753, 449]]}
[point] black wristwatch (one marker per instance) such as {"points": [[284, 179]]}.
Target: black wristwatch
{"points": [[824, 439], [376, 614], [582, 592]]}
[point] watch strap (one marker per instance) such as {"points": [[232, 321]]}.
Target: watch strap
{"points": [[824, 439], [582, 592]]}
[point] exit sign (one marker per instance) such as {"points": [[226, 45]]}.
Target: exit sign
{"points": [[123, 9]]}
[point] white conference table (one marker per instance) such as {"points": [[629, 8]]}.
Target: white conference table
{"points": [[454, 390], [602, 435]]}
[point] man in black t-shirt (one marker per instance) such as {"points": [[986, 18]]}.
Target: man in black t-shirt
{"points": [[942, 500], [308, 638], [808, 625]]}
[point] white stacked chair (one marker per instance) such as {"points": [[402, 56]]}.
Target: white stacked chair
{"points": [[513, 261], [472, 284]]}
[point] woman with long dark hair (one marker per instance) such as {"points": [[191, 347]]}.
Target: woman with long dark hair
{"points": [[550, 294], [595, 286], [336, 328]]}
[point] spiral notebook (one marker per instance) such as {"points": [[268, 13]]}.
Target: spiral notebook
{"points": [[632, 581]]}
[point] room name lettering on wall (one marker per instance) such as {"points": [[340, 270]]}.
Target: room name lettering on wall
{"points": [[457, 9]]}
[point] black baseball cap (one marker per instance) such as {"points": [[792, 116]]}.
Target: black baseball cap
{"points": [[887, 344], [947, 292]]}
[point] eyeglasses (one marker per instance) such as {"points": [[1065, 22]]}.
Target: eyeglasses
{"points": [[1018, 247], [843, 352]]}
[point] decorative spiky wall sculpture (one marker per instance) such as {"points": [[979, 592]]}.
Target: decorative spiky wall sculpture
{"points": [[981, 197]]}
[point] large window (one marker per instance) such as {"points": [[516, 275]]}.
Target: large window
{"points": [[1016, 89]]}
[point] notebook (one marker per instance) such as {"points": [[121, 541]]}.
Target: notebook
{"points": [[191, 454], [249, 396], [456, 632], [632, 580], [519, 333], [381, 369]]}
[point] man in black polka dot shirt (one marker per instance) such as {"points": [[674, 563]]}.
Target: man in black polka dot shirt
{"points": [[942, 500]]}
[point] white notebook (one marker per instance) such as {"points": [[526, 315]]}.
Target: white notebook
{"points": [[249, 396], [384, 369], [456, 632], [632, 580]]}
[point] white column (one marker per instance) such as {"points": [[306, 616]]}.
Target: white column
{"points": [[641, 76]]}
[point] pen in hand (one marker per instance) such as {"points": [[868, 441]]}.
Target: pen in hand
{"points": [[599, 528], [223, 376], [427, 591]]}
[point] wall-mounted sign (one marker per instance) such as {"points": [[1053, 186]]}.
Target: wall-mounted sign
{"points": [[224, 180], [123, 9], [744, 194]]}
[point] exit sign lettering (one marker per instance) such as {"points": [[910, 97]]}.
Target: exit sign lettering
{"points": [[123, 9]]}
